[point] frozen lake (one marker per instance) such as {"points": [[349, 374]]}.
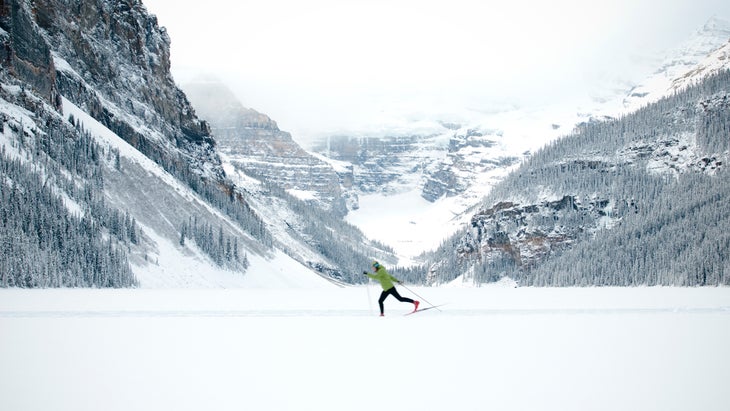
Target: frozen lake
{"points": [[492, 348]]}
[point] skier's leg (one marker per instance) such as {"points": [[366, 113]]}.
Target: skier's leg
{"points": [[401, 299], [382, 298]]}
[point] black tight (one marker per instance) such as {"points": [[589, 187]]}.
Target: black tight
{"points": [[395, 294]]}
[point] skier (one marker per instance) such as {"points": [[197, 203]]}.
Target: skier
{"points": [[386, 281]]}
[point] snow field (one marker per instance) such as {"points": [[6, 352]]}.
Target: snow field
{"points": [[326, 349]]}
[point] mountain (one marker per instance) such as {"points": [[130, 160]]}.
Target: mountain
{"points": [[681, 65], [254, 144], [447, 162], [298, 195], [110, 179], [453, 165], [91, 111], [715, 61], [640, 200]]}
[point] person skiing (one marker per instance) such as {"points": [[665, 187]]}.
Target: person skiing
{"points": [[386, 281]]}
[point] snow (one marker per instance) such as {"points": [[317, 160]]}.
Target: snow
{"points": [[18, 117], [168, 265], [173, 268], [493, 347], [526, 129], [303, 195], [399, 217], [337, 165], [108, 138], [406, 221]]}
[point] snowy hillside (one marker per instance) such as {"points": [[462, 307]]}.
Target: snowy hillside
{"points": [[453, 165], [253, 143], [126, 183], [161, 206], [714, 62], [689, 62], [640, 200]]}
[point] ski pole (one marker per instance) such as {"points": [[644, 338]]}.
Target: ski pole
{"points": [[414, 293], [370, 302]]}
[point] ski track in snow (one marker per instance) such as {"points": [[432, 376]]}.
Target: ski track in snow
{"points": [[350, 313], [324, 348]]}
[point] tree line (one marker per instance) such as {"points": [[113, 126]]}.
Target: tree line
{"points": [[671, 222], [44, 243], [221, 248]]}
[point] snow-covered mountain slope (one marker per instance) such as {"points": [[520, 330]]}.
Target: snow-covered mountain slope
{"points": [[714, 62], [128, 187], [253, 143], [160, 204], [412, 190], [297, 195], [107, 170], [637, 200], [453, 165], [689, 62]]}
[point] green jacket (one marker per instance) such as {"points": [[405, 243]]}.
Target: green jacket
{"points": [[385, 279]]}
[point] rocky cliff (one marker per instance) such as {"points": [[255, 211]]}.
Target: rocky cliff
{"points": [[255, 145], [111, 59], [452, 161], [523, 235], [380, 164], [639, 200], [471, 153]]}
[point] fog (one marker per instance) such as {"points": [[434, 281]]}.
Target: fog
{"points": [[325, 65]]}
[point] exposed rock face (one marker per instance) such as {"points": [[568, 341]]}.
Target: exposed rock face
{"points": [[523, 235], [256, 146], [470, 152], [25, 52], [448, 163], [112, 59], [109, 60], [654, 179], [379, 162]]}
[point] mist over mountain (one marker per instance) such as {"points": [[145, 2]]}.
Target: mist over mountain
{"points": [[681, 63], [254, 144]]}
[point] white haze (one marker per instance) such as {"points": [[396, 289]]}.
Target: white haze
{"points": [[326, 65]]}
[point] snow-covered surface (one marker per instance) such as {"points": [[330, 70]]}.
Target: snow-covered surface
{"points": [[108, 138], [716, 61], [173, 268], [490, 348], [704, 53], [526, 129], [407, 222], [399, 217], [158, 201], [303, 195], [17, 117]]}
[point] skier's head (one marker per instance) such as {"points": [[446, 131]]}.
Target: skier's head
{"points": [[376, 265]]}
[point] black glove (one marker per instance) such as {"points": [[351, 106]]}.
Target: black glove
{"points": [[365, 272]]}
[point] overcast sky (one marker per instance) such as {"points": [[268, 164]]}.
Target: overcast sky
{"points": [[316, 65]]}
